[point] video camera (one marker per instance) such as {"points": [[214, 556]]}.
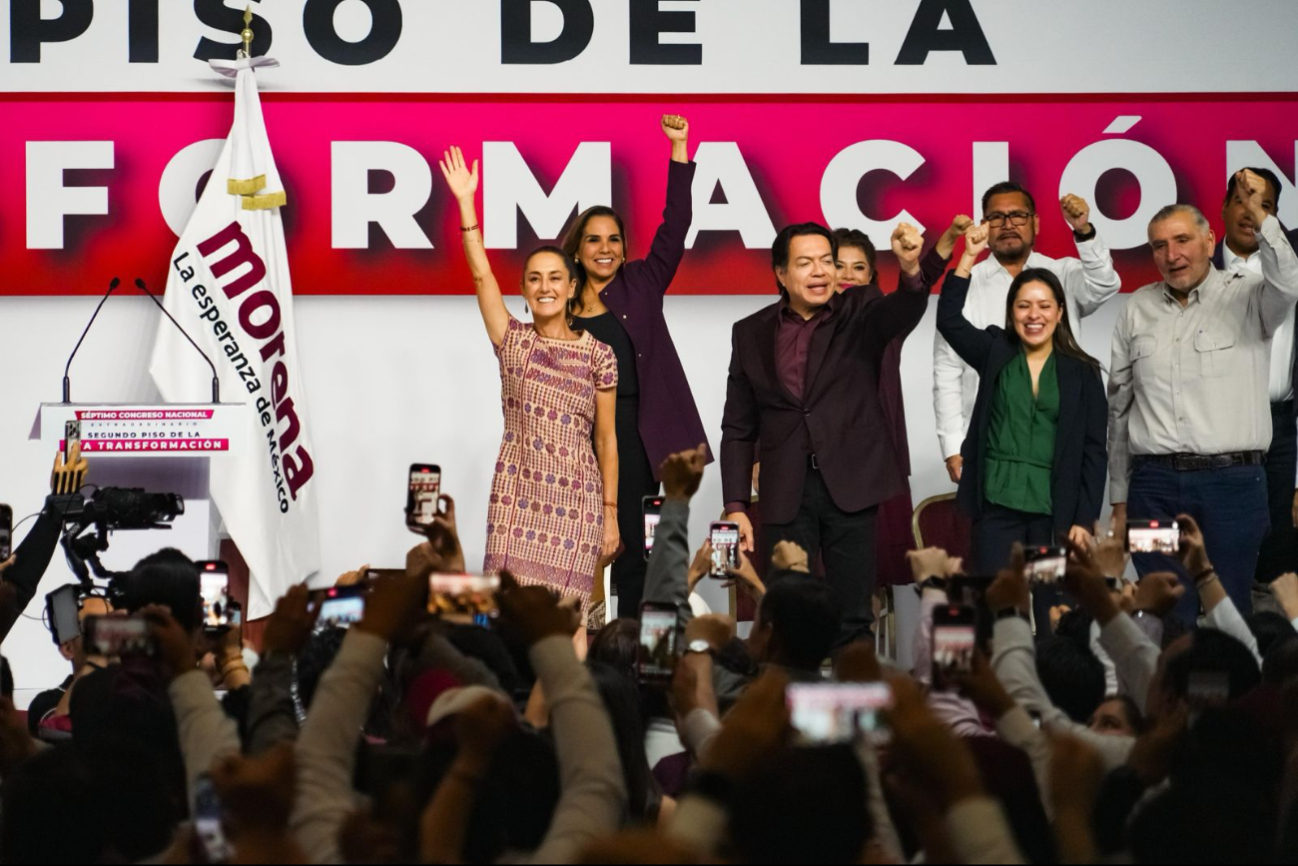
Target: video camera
{"points": [[89, 522]]}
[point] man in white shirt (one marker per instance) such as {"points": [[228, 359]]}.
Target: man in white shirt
{"points": [[1238, 251], [1089, 280]]}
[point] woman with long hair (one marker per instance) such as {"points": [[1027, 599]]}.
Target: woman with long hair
{"points": [[550, 521], [1036, 456], [621, 304]]}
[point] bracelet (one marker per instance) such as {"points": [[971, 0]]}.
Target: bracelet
{"points": [[1204, 577], [473, 228], [610, 505]]}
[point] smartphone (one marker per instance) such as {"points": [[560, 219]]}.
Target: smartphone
{"points": [[831, 713], [1046, 564], [422, 496], [653, 510], [659, 634], [118, 637], [465, 599], [725, 549], [71, 439], [214, 585], [6, 532], [341, 606], [954, 640], [1153, 536], [208, 832], [970, 590], [63, 609]]}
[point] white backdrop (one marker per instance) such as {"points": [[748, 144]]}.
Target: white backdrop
{"points": [[417, 382]]}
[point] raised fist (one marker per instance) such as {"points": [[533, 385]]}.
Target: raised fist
{"points": [[1077, 212], [675, 127], [907, 243]]}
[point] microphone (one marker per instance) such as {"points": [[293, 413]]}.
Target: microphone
{"points": [[216, 382], [67, 381]]}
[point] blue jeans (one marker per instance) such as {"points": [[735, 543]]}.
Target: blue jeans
{"points": [[1230, 506]]}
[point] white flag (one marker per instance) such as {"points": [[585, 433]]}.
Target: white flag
{"points": [[228, 284]]}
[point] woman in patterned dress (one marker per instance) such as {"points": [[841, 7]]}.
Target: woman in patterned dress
{"points": [[550, 522]]}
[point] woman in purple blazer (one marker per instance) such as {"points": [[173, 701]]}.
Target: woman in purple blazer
{"points": [[622, 306]]}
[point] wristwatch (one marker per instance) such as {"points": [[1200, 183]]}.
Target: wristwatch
{"points": [[1081, 237], [701, 647], [934, 582]]}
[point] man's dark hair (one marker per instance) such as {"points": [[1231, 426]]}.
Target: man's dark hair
{"points": [[1214, 652], [617, 645], [857, 239], [1008, 187], [780, 249], [1268, 627], [804, 617], [1130, 709], [167, 578], [803, 806], [1280, 664], [1072, 676], [620, 694], [1265, 173]]}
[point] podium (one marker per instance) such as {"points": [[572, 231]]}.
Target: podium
{"points": [[162, 448]]}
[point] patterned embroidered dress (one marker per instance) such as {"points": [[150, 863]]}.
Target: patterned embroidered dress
{"points": [[545, 524]]}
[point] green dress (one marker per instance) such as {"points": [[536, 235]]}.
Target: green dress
{"points": [[1021, 438]]}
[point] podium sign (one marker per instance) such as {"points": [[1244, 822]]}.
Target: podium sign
{"points": [[167, 430]]}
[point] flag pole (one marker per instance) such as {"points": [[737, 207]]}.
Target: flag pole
{"points": [[247, 34]]}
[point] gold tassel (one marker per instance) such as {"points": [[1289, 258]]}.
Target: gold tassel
{"points": [[269, 201], [245, 187]]}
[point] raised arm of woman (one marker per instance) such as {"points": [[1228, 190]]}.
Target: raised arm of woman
{"points": [[464, 186]]}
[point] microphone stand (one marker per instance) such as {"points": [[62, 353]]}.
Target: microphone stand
{"points": [[216, 381], [67, 380]]}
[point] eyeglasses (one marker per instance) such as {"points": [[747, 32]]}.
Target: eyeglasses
{"points": [[1017, 218]]}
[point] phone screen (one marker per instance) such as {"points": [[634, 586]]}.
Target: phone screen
{"points": [[467, 599], [341, 608], [1046, 564], [653, 507], [657, 654], [955, 637], [725, 548], [65, 613], [828, 713], [214, 584], [207, 822], [6, 532], [117, 636], [1152, 536], [424, 493], [71, 439]]}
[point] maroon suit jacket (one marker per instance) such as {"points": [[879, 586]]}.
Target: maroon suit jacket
{"points": [[840, 418], [669, 419]]}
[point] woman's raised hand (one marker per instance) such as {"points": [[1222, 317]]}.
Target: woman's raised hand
{"points": [[675, 127], [462, 181]]}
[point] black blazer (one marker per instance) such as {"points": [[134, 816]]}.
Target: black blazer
{"points": [[1081, 446], [840, 418]]}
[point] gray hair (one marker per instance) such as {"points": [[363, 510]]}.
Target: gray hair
{"points": [[1181, 210]]}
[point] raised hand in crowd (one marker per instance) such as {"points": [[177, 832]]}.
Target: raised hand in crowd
{"points": [[928, 751], [444, 538], [755, 727], [1011, 590], [932, 562], [352, 578], [745, 577], [984, 688], [1193, 552], [1077, 213], [394, 605], [70, 476], [530, 614], [1110, 553], [692, 687], [976, 240], [907, 245], [701, 566], [257, 796], [229, 670], [946, 243], [789, 556], [682, 473], [289, 627], [1076, 776], [176, 655], [1285, 590], [677, 130], [1251, 187], [858, 663]]}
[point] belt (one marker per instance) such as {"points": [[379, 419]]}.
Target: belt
{"points": [[1201, 462]]}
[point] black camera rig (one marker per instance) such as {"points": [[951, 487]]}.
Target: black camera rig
{"points": [[88, 523]]}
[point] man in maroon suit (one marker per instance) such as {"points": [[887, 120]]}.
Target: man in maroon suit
{"points": [[803, 382]]}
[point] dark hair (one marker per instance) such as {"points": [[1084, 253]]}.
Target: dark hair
{"points": [[1213, 651], [489, 648], [621, 698], [1265, 173], [575, 272], [1008, 187], [1072, 676], [617, 645], [1268, 627], [1065, 343], [857, 239], [168, 578], [804, 615], [1280, 664], [314, 659], [6, 679], [575, 236], [1130, 709], [780, 249], [803, 806], [36, 801]]}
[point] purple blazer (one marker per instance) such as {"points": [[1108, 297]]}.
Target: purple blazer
{"points": [[669, 419]]}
